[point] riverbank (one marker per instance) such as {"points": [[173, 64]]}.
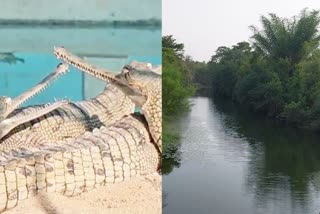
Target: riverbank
{"points": [[138, 195]]}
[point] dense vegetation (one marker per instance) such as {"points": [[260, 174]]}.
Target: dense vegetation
{"points": [[176, 87], [277, 75]]}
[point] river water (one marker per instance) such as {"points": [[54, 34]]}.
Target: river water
{"points": [[231, 161]]}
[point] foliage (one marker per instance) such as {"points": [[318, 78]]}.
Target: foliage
{"points": [[170, 42], [278, 75], [292, 39], [174, 91], [176, 88]]}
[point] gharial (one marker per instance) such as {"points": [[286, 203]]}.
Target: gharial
{"points": [[142, 86], [35, 125], [113, 146]]}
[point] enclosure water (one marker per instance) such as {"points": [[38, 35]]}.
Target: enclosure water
{"points": [[232, 161], [26, 57]]}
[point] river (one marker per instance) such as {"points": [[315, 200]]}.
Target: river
{"points": [[232, 161]]}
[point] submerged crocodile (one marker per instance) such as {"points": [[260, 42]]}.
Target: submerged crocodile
{"points": [[113, 146]]}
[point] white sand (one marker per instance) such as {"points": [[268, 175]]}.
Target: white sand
{"points": [[138, 195]]}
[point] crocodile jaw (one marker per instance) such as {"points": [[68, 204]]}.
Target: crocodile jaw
{"points": [[8, 105], [5, 110], [102, 74], [77, 62]]}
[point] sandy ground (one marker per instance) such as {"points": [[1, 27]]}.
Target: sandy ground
{"points": [[138, 195]]}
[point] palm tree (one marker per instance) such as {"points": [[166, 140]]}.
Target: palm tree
{"points": [[292, 39]]}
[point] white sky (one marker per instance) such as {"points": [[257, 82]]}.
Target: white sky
{"points": [[204, 25]]}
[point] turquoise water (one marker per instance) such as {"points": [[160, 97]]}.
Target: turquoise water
{"points": [[19, 77], [102, 41], [26, 58]]}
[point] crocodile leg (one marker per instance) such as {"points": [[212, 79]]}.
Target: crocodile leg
{"points": [[104, 156]]}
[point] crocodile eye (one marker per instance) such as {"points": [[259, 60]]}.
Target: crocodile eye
{"points": [[127, 67]]}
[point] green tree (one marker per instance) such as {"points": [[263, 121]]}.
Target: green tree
{"points": [[227, 67], [291, 39], [261, 89], [174, 92], [280, 75], [176, 89], [170, 42]]}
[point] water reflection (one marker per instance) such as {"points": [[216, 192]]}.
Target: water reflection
{"points": [[171, 160], [235, 161], [164, 199], [171, 157], [282, 159]]}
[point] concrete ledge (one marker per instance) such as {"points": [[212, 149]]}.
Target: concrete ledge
{"points": [[111, 10], [80, 23], [83, 41]]}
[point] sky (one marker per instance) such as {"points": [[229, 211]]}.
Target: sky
{"points": [[204, 25]]}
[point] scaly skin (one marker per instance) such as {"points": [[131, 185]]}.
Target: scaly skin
{"points": [[8, 105], [67, 121], [142, 86], [116, 149], [35, 125], [104, 156], [148, 83]]}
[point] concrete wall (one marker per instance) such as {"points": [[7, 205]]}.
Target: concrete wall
{"points": [[106, 41], [80, 9], [105, 46]]}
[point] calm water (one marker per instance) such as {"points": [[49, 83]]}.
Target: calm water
{"points": [[30, 69], [233, 162], [26, 57]]}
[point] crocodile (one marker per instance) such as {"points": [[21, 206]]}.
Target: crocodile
{"points": [[104, 153], [101, 157], [34, 125], [9, 120], [142, 86]]}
